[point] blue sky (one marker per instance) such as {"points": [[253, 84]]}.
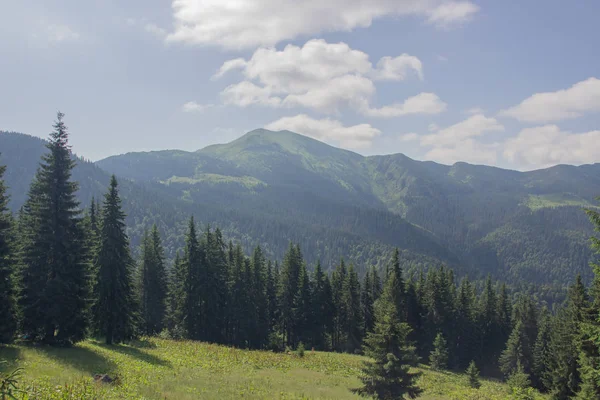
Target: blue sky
{"points": [[508, 83]]}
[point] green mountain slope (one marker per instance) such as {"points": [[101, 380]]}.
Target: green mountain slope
{"points": [[476, 212], [166, 188]]}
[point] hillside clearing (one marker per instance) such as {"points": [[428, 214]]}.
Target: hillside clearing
{"points": [[163, 369]]}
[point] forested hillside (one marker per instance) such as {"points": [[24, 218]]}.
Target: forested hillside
{"points": [[515, 225], [270, 188], [326, 229]]}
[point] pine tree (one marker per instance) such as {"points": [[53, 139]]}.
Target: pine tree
{"points": [[217, 295], [387, 375], [175, 300], [366, 298], [589, 342], [338, 278], [353, 325], [303, 308], [271, 296], [290, 274], [515, 354], [466, 335], [115, 308], [193, 289], [153, 284], [490, 343], [542, 353], [54, 296], [7, 289], [323, 308], [473, 374], [439, 355]]}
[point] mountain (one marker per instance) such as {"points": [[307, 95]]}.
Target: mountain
{"points": [[517, 225], [168, 187], [270, 188]]}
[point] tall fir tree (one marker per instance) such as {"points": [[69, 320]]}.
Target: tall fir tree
{"points": [[290, 274], [323, 308], [115, 309], [338, 278], [353, 325], [7, 263], [54, 296], [153, 284], [589, 338], [388, 374], [439, 355], [193, 289], [367, 302], [542, 353]]}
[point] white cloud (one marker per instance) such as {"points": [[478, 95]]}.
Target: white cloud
{"points": [[237, 63], [433, 127], [547, 145], [61, 33], [237, 24], [581, 98], [396, 69], [247, 93], [328, 130], [469, 151], [452, 13], [423, 103], [458, 142], [193, 107], [473, 126], [324, 77]]}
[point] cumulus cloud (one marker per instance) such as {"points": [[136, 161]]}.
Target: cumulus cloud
{"points": [[423, 103], [452, 13], [474, 126], [396, 69], [247, 93], [547, 145], [236, 24], [324, 77], [459, 142], [328, 130], [581, 98], [469, 151]]}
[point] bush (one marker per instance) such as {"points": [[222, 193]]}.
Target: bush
{"points": [[9, 384], [300, 350]]}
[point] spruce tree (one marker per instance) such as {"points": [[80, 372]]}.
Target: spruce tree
{"points": [[515, 354], [153, 284], [353, 325], [589, 342], [366, 298], [290, 274], [303, 309], [473, 374], [54, 296], [439, 355], [7, 289], [387, 375], [192, 315], [542, 353], [115, 309], [323, 308]]}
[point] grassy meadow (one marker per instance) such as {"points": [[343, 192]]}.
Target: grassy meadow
{"points": [[164, 369]]}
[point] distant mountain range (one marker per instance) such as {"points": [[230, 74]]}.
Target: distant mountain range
{"points": [[272, 187]]}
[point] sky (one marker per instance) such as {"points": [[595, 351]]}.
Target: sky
{"points": [[511, 83]]}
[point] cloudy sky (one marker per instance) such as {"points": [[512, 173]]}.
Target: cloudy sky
{"points": [[508, 83]]}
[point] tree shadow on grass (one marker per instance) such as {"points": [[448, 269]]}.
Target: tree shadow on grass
{"points": [[80, 358], [9, 358], [136, 353]]}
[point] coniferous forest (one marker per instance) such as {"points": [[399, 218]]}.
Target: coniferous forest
{"points": [[67, 273]]}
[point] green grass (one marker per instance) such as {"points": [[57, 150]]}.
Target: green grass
{"points": [[555, 200], [163, 369]]}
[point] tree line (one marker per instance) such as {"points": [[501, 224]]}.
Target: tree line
{"points": [[66, 275]]}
